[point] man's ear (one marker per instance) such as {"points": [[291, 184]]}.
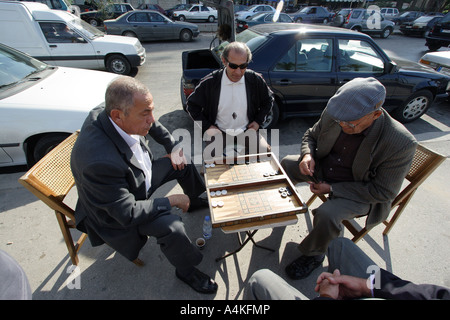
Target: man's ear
{"points": [[377, 114], [116, 116]]}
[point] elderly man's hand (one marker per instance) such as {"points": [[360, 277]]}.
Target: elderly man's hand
{"points": [[177, 158]]}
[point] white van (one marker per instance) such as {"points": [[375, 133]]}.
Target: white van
{"points": [[389, 12], [60, 38]]}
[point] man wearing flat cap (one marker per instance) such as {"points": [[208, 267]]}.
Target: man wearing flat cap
{"points": [[359, 156]]}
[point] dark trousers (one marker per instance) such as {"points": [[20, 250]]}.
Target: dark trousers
{"points": [[167, 228]]}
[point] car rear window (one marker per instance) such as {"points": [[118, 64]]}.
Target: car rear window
{"points": [[446, 18], [252, 39]]}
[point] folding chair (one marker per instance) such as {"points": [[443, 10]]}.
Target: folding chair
{"points": [[424, 163], [50, 180]]}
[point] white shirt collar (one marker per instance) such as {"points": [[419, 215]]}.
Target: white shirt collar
{"points": [[130, 139], [227, 81]]}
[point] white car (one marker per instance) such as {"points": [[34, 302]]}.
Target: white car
{"points": [[439, 61], [196, 12], [251, 11], [40, 105]]}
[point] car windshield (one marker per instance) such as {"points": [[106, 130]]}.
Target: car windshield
{"points": [[446, 18], [258, 16], [252, 39], [405, 14], [16, 67], [86, 29], [424, 19]]}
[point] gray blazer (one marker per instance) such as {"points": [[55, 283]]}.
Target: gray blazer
{"points": [[113, 199], [380, 165]]}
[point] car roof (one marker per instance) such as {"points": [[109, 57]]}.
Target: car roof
{"points": [[271, 28]]}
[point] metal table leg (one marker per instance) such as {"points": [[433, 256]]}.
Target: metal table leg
{"points": [[242, 244]]}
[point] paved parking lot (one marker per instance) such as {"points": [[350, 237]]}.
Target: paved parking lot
{"points": [[417, 248]]}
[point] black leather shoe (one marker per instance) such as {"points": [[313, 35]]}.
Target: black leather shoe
{"points": [[303, 266], [199, 281], [198, 203]]}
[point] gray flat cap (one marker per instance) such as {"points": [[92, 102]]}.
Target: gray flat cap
{"points": [[356, 98]]}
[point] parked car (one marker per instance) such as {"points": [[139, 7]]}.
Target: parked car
{"points": [[369, 22], [252, 10], [60, 38], [305, 65], [407, 16], [55, 4], [389, 13], [439, 36], [196, 12], [179, 7], [259, 18], [340, 17], [439, 61], [40, 105], [150, 6], [147, 25], [111, 11], [312, 15], [421, 26]]}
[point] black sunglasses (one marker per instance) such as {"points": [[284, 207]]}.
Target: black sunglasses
{"points": [[235, 66]]}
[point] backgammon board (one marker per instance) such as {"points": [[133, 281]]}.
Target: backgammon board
{"points": [[249, 188]]}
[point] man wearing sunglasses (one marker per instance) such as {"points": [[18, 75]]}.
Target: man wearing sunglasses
{"points": [[358, 155], [232, 101]]}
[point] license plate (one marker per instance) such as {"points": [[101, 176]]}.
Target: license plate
{"points": [[443, 70], [445, 30]]}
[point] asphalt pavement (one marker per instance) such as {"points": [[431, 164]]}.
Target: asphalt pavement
{"points": [[417, 248]]}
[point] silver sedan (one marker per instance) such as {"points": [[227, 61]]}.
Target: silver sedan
{"points": [[148, 25]]}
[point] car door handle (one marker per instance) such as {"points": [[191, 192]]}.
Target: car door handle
{"points": [[284, 82], [53, 46]]}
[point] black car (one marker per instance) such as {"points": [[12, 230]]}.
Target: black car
{"points": [[110, 11], [304, 65], [169, 12], [407, 16], [421, 26], [439, 36]]}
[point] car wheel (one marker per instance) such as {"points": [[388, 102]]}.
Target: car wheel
{"points": [[93, 22], [118, 64], [272, 117], [45, 144], [325, 21], [129, 34], [414, 107], [182, 18], [357, 28], [211, 19], [185, 35], [298, 20], [386, 33]]}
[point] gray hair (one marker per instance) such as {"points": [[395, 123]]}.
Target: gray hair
{"points": [[120, 94], [238, 47]]}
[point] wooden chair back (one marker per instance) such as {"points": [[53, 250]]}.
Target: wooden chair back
{"points": [[424, 163], [50, 180]]}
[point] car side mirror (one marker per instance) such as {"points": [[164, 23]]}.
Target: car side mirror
{"points": [[391, 67]]}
